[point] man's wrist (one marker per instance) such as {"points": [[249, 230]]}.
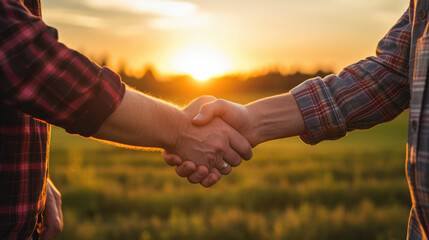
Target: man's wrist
{"points": [[180, 125], [255, 132], [275, 117]]}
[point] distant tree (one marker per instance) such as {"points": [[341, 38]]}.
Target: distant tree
{"points": [[122, 67], [149, 73], [104, 59]]}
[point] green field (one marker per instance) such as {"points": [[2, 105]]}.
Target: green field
{"points": [[353, 188]]}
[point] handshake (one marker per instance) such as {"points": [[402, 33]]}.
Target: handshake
{"points": [[219, 135], [208, 137]]}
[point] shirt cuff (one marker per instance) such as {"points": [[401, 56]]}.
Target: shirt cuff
{"points": [[107, 96], [322, 116]]}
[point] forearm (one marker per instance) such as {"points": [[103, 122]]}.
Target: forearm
{"points": [[141, 120], [276, 117], [364, 94]]}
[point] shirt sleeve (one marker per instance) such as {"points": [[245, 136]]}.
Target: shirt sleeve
{"points": [[372, 91], [43, 78]]}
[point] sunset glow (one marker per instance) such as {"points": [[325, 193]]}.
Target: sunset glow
{"points": [[202, 63], [239, 36]]}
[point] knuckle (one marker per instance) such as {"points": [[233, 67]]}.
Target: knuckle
{"points": [[205, 99], [224, 129], [220, 101], [218, 146], [208, 98], [203, 171], [210, 157], [187, 166]]}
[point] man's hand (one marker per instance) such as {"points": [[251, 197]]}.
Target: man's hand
{"points": [[141, 120], [266, 119], [217, 143], [234, 114], [193, 173], [260, 121], [52, 218]]}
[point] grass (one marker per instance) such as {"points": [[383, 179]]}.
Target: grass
{"points": [[352, 188]]}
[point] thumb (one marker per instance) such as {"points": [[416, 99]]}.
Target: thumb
{"points": [[202, 119], [209, 111]]}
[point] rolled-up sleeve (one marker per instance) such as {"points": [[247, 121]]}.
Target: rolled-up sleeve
{"points": [[367, 93], [45, 79]]}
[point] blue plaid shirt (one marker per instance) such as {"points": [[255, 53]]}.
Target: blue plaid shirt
{"points": [[376, 90]]}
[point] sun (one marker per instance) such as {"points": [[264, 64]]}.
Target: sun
{"points": [[201, 62]]}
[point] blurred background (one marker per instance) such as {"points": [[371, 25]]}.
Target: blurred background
{"points": [[242, 50]]}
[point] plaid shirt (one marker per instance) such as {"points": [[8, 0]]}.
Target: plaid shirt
{"points": [[41, 78], [376, 90]]}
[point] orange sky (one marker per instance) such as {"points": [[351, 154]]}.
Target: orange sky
{"points": [[230, 36]]}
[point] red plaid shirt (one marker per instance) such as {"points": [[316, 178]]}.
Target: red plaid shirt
{"points": [[41, 78], [376, 90]]}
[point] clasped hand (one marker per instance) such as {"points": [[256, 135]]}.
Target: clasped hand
{"points": [[210, 142]]}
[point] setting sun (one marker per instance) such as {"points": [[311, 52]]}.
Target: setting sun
{"points": [[201, 62]]}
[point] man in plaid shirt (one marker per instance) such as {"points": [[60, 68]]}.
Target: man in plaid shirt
{"points": [[367, 93], [42, 81]]}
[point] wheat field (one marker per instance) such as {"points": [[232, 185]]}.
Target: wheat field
{"points": [[353, 188]]}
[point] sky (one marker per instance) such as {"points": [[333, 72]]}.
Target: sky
{"points": [[205, 38]]}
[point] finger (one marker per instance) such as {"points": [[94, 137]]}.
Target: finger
{"points": [[209, 111], [199, 175], [240, 145], [213, 177], [171, 159], [186, 169], [52, 218], [60, 212], [195, 105], [210, 180], [232, 158], [52, 186], [225, 170], [216, 172], [55, 193], [220, 164], [49, 232], [58, 202]]}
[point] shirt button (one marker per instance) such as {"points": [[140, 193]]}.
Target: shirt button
{"points": [[414, 125], [421, 14]]}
